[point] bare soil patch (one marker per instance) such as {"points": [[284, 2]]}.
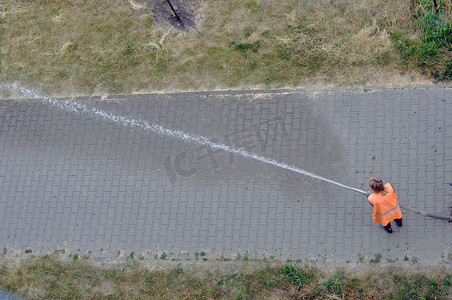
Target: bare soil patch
{"points": [[177, 13]]}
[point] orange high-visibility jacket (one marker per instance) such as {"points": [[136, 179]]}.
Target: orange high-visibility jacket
{"points": [[386, 208]]}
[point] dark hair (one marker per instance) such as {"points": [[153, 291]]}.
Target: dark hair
{"points": [[377, 185]]}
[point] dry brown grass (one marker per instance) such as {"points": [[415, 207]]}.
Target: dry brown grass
{"points": [[94, 47]]}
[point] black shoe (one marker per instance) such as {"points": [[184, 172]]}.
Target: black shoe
{"points": [[388, 230], [399, 223]]}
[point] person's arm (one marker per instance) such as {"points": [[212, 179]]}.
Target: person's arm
{"points": [[392, 187], [370, 201]]}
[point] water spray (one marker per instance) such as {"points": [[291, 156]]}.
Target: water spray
{"points": [[73, 106]]}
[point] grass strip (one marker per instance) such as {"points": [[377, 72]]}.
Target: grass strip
{"points": [[56, 277], [73, 47]]}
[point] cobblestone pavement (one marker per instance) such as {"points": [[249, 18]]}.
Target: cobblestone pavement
{"points": [[79, 181]]}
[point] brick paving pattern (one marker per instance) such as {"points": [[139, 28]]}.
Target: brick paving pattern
{"points": [[78, 181]]}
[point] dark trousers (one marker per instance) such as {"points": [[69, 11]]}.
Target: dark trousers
{"points": [[398, 221]]}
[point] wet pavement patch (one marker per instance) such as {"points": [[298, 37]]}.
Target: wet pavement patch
{"points": [[175, 12]]}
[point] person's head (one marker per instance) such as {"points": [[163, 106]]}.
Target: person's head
{"points": [[377, 185]]}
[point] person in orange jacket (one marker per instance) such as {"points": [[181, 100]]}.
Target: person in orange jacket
{"points": [[384, 201]]}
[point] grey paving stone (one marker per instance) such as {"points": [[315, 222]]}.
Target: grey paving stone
{"points": [[77, 179]]}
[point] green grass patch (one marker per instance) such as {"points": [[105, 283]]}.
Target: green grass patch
{"points": [[376, 259], [431, 49], [243, 46], [335, 284], [299, 276], [419, 286]]}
